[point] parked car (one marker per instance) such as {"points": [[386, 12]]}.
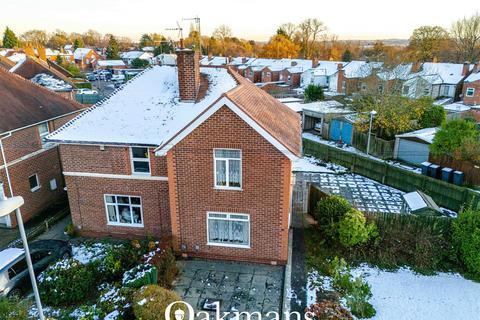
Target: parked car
{"points": [[86, 91], [91, 77], [118, 77], [14, 277]]}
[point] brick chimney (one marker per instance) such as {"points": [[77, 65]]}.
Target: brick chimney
{"points": [[340, 78], [188, 63], [465, 69], [315, 63], [416, 66]]}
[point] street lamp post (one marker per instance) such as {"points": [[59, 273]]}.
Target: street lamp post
{"points": [[7, 206], [372, 114]]}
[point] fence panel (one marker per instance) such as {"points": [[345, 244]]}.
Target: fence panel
{"points": [[445, 194]]}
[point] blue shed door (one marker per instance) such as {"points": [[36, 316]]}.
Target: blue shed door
{"points": [[341, 131], [335, 130]]}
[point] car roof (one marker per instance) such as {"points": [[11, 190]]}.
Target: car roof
{"points": [[9, 256]]}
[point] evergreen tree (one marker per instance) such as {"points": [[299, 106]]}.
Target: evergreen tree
{"points": [[78, 43], [140, 63], [10, 40], [146, 41], [59, 60], [347, 56], [113, 49], [313, 93]]}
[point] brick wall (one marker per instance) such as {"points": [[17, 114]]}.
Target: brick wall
{"points": [[265, 195], [86, 198], [188, 74], [475, 100], [47, 166]]}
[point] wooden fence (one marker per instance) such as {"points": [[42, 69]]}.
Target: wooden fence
{"points": [[380, 148], [445, 194], [470, 169]]}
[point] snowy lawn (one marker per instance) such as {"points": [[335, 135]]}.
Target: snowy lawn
{"points": [[404, 295]]}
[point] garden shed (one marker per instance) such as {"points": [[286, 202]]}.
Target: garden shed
{"points": [[318, 115], [414, 147], [419, 203]]}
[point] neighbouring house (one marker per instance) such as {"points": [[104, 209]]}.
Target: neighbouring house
{"points": [[320, 75], [198, 155], [28, 113], [110, 64], [45, 74], [471, 87], [414, 147], [436, 80], [419, 203], [86, 58], [129, 56], [166, 59]]}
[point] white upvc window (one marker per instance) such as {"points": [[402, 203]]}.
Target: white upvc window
{"points": [[34, 182], [124, 210], [446, 91], [227, 168], [470, 92], [228, 229], [140, 160], [43, 132]]}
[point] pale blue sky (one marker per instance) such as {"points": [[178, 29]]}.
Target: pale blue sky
{"points": [[252, 19]]}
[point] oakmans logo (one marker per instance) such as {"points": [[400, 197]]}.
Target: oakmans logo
{"points": [[178, 308]]}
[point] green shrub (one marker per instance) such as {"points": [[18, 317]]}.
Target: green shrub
{"points": [[466, 237], [151, 301], [140, 275], [166, 265], [329, 310], [113, 299], [70, 230], [67, 282], [86, 313], [328, 213], [353, 229], [313, 93], [433, 116], [355, 290], [13, 309]]}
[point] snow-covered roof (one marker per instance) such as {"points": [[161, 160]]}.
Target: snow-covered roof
{"points": [[17, 56], [418, 200], [8, 256], [360, 69], [136, 55], [51, 52], [426, 134], [146, 111], [327, 68], [326, 107], [456, 107], [213, 61], [167, 59], [148, 49], [400, 72], [51, 82], [80, 53], [442, 73], [18, 65], [474, 76], [111, 63]]}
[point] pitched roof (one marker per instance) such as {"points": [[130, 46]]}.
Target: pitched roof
{"points": [[147, 111], [31, 67], [80, 53], [272, 115], [24, 103]]}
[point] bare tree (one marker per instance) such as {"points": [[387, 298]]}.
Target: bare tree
{"points": [[35, 38], [466, 34], [223, 34], [308, 33], [289, 29]]}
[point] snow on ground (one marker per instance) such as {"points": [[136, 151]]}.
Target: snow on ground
{"points": [[404, 295], [316, 138], [309, 164], [88, 253]]}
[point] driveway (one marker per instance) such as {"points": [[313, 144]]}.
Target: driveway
{"points": [[238, 286]]}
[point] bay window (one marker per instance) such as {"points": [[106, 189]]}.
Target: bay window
{"points": [[228, 168], [228, 229], [124, 210]]}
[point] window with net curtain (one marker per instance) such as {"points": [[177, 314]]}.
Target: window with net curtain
{"points": [[228, 229], [228, 168]]}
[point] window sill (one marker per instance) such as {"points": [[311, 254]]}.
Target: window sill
{"points": [[128, 225], [228, 188], [143, 174], [239, 246], [35, 189]]}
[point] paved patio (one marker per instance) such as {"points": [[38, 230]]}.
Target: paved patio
{"points": [[239, 286]]}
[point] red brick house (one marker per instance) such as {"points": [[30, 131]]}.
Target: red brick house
{"points": [[198, 155], [28, 113], [471, 87]]}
